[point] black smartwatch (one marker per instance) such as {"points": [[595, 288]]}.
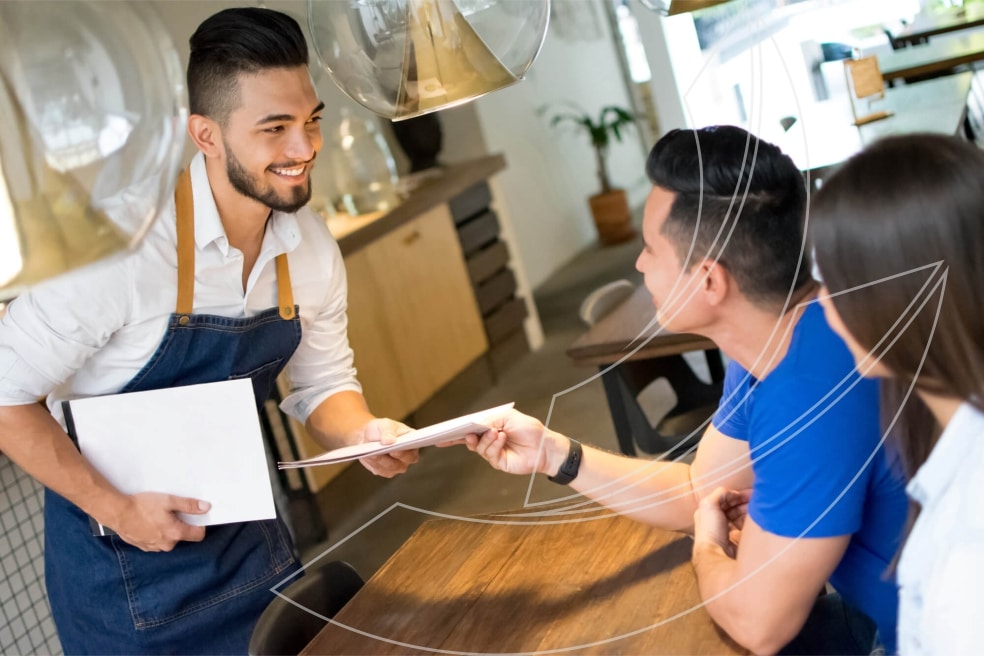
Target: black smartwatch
{"points": [[568, 470]]}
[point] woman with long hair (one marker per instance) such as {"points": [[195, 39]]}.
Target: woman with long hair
{"points": [[898, 233]]}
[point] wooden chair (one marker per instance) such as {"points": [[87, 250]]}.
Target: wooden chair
{"points": [[865, 83], [283, 628]]}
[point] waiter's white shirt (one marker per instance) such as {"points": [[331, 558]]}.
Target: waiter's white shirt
{"points": [[941, 571], [89, 332]]}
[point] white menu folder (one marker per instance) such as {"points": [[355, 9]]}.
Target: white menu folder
{"points": [[201, 441], [446, 431]]}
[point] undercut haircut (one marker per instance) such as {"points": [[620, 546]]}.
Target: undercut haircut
{"points": [[739, 201], [234, 42]]}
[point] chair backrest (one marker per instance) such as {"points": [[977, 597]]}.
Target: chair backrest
{"points": [[892, 41], [603, 300], [283, 628]]}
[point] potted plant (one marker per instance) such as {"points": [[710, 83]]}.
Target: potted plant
{"points": [[610, 206]]}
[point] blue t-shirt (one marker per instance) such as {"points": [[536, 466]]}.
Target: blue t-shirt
{"points": [[813, 432]]}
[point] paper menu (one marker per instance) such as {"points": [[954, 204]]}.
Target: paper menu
{"points": [[202, 441], [445, 431]]}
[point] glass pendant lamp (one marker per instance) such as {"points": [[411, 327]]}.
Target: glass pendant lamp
{"points": [[93, 104], [404, 58]]}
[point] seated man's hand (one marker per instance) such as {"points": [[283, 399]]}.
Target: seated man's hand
{"points": [[149, 521], [719, 519], [513, 444], [387, 465]]}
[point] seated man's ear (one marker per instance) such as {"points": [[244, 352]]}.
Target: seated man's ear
{"points": [[717, 282]]}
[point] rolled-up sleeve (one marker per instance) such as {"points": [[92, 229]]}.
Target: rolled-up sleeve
{"points": [[323, 363], [50, 331]]}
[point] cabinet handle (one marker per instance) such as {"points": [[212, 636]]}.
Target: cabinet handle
{"points": [[411, 238]]}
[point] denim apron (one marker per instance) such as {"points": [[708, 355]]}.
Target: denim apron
{"points": [[108, 597]]}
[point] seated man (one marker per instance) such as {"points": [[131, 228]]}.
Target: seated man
{"points": [[795, 443]]}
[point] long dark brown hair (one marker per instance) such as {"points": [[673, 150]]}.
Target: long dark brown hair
{"points": [[900, 228]]}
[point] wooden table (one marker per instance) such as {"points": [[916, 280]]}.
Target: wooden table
{"points": [[933, 23], [622, 337], [825, 136], [601, 586], [939, 56]]}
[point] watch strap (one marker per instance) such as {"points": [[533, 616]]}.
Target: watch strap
{"points": [[568, 470]]}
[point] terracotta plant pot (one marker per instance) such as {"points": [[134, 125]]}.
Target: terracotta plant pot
{"points": [[612, 217]]}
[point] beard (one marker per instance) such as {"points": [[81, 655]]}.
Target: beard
{"points": [[249, 186]]}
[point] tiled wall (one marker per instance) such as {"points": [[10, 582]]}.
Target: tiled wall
{"points": [[26, 626]]}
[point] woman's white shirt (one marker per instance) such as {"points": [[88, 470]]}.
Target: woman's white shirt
{"points": [[941, 571]]}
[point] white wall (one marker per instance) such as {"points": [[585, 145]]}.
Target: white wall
{"points": [[660, 37], [550, 172]]}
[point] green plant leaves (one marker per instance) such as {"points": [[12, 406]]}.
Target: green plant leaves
{"points": [[610, 122]]}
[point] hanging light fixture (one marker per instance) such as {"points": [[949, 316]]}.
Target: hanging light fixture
{"points": [[92, 99], [404, 58]]}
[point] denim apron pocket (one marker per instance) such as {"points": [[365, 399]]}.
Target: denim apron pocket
{"points": [[195, 576]]}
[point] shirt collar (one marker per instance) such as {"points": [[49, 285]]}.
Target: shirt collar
{"points": [[283, 234], [960, 438]]}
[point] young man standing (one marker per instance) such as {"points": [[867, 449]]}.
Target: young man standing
{"points": [[260, 286], [792, 462]]}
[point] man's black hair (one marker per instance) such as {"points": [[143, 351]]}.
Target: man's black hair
{"points": [[241, 40], [739, 201]]}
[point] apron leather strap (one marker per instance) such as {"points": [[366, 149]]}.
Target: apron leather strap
{"points": [[285, 297], [184, 204], [185, 209]]}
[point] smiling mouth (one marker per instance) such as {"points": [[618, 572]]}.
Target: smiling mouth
{"points": [[291, 172]]}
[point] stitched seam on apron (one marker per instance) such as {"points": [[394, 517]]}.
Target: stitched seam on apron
{"points": [[250, 374], [131, 593], [280, 539], [249, 587], [221, 323]]}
